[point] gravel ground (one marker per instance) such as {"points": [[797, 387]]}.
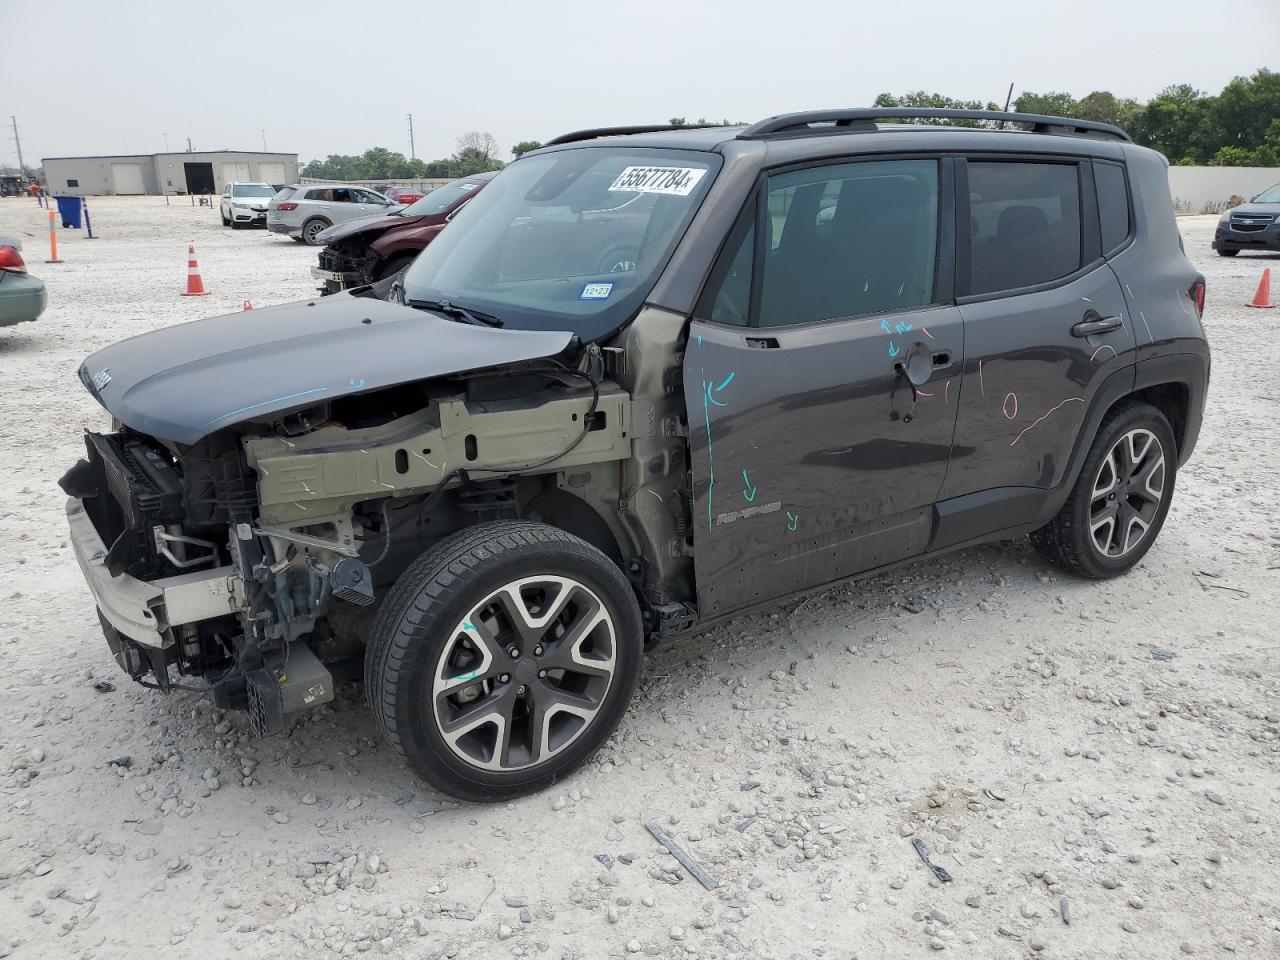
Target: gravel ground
{"points": [[1099, 753]]}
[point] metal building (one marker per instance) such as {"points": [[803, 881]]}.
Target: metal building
{"points": [[156, 174]]}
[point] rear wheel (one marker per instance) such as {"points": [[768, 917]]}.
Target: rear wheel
{"points": [[503, 658], [1120, 499], [312, 229]]}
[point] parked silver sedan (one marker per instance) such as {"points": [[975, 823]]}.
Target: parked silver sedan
{"points": [[303, 211]]}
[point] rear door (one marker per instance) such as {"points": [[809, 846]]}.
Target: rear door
{"points": [[1045, 322], [812, 459]]}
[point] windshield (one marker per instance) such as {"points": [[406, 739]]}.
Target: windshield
{"points": [[442, 198], [1270, 195], [253, 190], [571, 240]]}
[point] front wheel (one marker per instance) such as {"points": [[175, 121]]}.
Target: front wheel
{"points": [[503, 658], [1225, 252], [1120, 500]]}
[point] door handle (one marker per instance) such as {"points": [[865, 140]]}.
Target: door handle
{"points": [[1092, 323], [763, 343]]}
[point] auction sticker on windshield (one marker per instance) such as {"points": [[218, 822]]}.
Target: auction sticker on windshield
{"points": [[671, 181], [596, 291]]}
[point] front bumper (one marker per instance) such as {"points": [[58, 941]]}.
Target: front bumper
{"points": [[249, 215], [1225, 238], [147, 611]]}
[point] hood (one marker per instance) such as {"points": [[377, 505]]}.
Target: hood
{"points": [[1252, 209], [375, 223], [182, 383]]}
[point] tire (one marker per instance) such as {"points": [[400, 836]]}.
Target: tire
{"points": [[235, 226], [395, 265], [312, 227], [1227, 253], [618, 260], [471, 719], [1119, 501], [226, 221], [297, 240]]}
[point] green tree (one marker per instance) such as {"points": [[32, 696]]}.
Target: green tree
{"points": [[1180, 122], [1105, 107], [1054, 104], [524, 146], [1247, 108], [922, 98]]}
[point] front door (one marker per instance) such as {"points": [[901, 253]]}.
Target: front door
{"points": [[814, 455], [1045, 323]]}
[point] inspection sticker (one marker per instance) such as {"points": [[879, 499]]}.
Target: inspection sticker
{"points": [[596, 291], [671, 181]]}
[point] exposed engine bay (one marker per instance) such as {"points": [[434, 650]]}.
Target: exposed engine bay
{"points": [[252, 560]]}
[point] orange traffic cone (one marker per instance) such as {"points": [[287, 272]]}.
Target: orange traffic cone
{"points": [[195, 285], [248, 304], [1263, 297]]}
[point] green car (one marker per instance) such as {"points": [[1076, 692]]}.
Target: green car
{"points": [[22, 297]]}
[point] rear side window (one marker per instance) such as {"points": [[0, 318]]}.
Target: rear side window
{"points": [[317, 193], [1024, 223], [849, 240], [1113, 204], [286, 193]]}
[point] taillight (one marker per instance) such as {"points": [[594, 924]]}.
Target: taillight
{"points": [[1196, 293], [286, 206], [11, 260]]}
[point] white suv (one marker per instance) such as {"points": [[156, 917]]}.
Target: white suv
{"points": [[303, 211], [245, 204]]}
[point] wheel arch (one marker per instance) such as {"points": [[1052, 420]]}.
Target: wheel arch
{"points": [[559, 508]]}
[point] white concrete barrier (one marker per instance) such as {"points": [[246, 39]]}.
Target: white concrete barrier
{"points": [[1207, 189]]}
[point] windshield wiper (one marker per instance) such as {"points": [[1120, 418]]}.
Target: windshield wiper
{"points": [[457, 313]]}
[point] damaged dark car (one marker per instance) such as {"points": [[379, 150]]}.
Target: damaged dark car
{"points": [[372, 248], [652, 379]]}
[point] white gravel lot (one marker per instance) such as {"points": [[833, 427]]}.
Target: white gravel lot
{"points": [[1018, 724]]}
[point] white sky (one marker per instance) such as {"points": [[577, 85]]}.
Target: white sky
{"points": [[96, 77]]}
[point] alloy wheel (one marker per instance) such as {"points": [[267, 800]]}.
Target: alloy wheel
{"points": [[1127, 492], [524, 674]]}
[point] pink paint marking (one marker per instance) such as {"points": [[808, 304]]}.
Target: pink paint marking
{"points": [[921, 393], [1105, 346], [981, 385], [1051, 410], [1005, 407], [927, 333]]}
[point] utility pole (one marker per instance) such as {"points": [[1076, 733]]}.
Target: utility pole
{"points": [[264, 141], [22, 167], [412, 154], [166, 142], [188, 144]]}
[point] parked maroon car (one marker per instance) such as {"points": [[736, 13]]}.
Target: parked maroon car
{"points": [[368, 249]]}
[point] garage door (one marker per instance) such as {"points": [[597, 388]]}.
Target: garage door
{"points": [[271, 173], [126, 178], [235, 173]]}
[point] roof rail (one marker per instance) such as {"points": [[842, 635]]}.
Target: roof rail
{"points": [[863, 119], [595, 132]]}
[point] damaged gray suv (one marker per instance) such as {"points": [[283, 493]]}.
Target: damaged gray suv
{"points": [[650, 379]]}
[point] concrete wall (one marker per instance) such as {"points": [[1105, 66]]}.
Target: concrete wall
{"points": [[162, 172], [1206, 189], [93, 175]]}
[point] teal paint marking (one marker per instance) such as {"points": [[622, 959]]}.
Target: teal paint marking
{"points": [[699, 339], [893, 349], [467, 677], [884, 325], [708, 388], [793, 520], [748, 491], [468, 625]]}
